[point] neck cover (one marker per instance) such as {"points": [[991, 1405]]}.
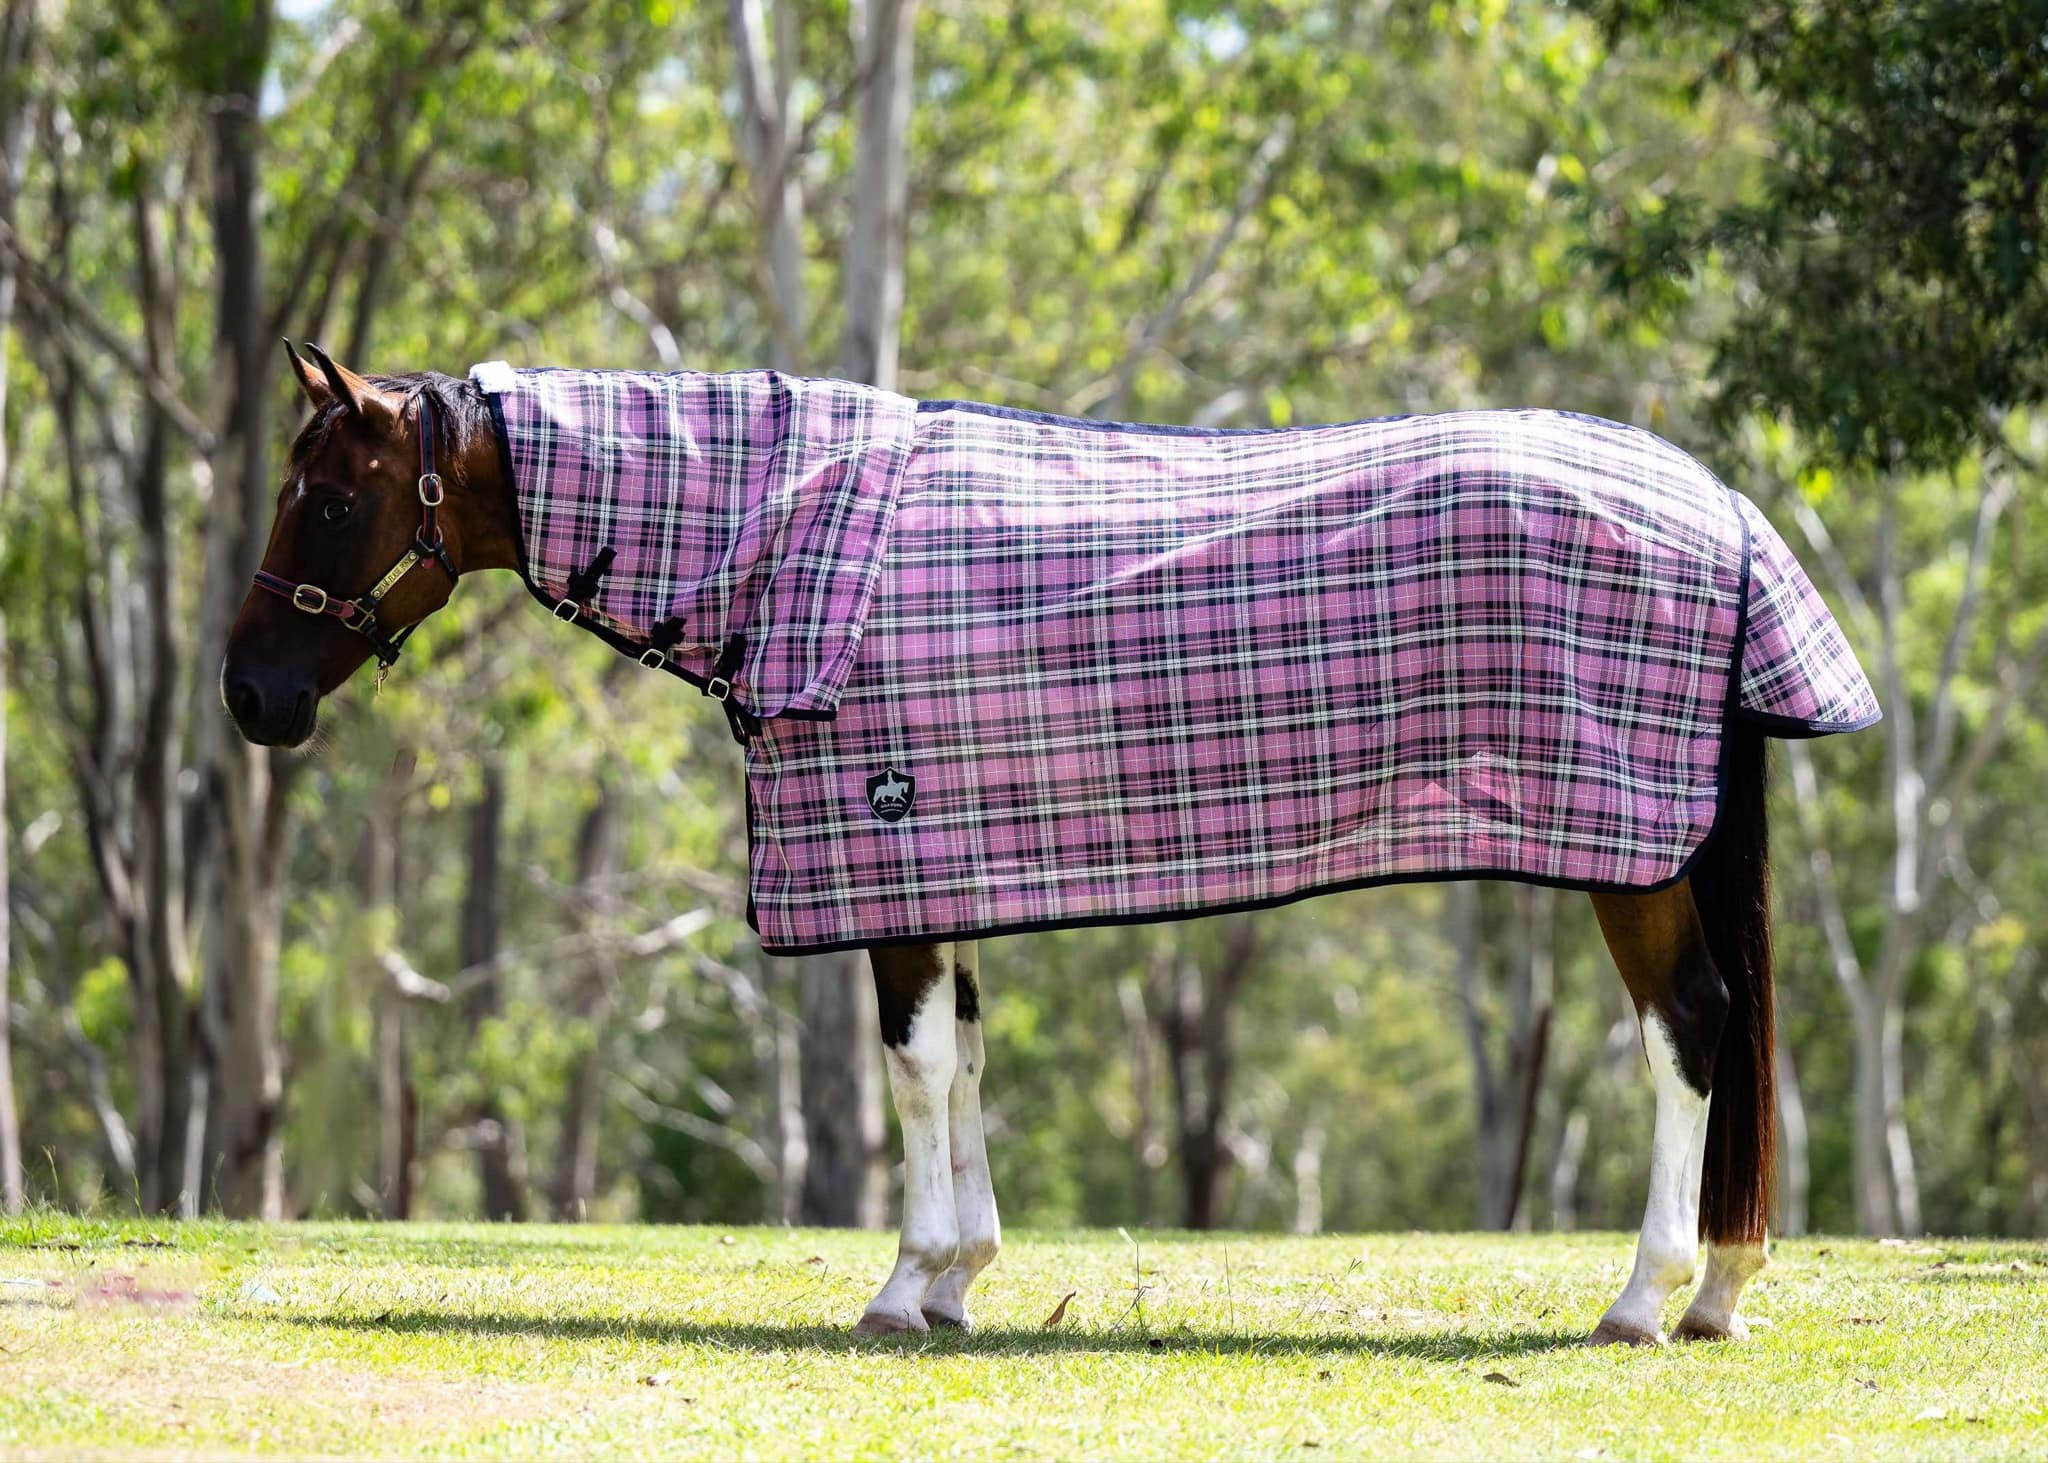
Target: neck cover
{"points": [[1005, 671]]}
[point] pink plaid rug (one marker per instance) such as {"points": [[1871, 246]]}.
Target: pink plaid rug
{"points": [[1001, 671]]}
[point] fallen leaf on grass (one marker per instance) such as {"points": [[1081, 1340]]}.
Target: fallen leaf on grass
{"points": [[1867, 1384], [1322, 1376], [1059, 1312], [1863, 1320], [1501, 1379], [655, 1379], [815, 1260]]}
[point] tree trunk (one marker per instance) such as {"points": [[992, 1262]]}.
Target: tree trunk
{"points": [[1518, 933], [243, 1048], [769, 134], [497, 1147], [1308, 1179], [599, 852], [14, 43], [1887, 1200], [397, 1102], [1564, 1171], [1194, 1006], [11, 1190], [243, 1052], [1795, 1172], [1148, 1149], [779, 1050], [883, 33], [844, 1176]]}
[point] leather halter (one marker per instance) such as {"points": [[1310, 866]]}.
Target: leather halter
{"points": [[360, 614]]}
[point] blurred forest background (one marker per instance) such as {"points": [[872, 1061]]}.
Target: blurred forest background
{"points": [[479, 951]]}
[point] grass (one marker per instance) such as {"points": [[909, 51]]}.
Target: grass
{"points": [[132, 1339]]}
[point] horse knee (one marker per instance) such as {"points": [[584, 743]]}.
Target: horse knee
{"points": [[978, 1251]]}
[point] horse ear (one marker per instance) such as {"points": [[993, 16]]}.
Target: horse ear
{"points": [[310, 382], [359, 394]]}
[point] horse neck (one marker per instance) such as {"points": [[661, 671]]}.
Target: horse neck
{"points": [[485, 513]]}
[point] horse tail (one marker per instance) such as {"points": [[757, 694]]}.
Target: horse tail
{"points": [[1731, 887]]}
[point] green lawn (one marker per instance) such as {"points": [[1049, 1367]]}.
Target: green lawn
{"points": [[133, 1339]]}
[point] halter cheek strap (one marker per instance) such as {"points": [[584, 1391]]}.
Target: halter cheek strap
{"points": [[360, 613]]}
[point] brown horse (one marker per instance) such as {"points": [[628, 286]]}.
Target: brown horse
{"points": [[395, 488]]}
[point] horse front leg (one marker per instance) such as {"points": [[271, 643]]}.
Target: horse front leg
{"points": [[915, 993], [974, 1194]]}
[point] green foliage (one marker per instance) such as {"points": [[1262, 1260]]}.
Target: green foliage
{"points": [[1895, 298], [1219, 212]]}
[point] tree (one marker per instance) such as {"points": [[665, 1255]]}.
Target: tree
{"points": [[16, 36], [1896, 298]]}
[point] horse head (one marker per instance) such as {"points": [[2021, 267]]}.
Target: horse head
{"points": [[391, 487]]}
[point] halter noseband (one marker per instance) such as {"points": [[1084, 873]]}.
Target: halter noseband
{"points": [[360, 615]]}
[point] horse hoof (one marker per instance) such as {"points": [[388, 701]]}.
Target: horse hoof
{"points": [[1692, 1328], [948, 1321], [1618, 1333], [881, 1323]]}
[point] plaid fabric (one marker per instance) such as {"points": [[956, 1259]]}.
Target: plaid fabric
{"points": [[752, 502], [1079, 672]]}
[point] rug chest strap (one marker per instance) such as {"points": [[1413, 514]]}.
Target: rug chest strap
{"points": [[744, 723]]}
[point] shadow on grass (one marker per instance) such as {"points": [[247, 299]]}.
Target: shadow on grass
{"points": [[1441, 1346]]}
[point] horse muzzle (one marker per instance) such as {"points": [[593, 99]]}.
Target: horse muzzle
{"points": [[269, 708]]}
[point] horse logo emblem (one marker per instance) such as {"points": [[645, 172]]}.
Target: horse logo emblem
{"points": [[890, 794]]}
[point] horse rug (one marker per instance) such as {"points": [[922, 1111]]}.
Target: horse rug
{"points": [[999, 671]]}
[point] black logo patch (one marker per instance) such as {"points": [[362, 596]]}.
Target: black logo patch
{"points": [[890, 794]]}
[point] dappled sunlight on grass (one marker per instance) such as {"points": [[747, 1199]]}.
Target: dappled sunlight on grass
{"points": [[450, 1341]]}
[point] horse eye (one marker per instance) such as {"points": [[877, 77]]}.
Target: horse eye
{"points": [[335, 511]]}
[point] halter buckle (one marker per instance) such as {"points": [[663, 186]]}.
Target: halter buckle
{"points": [[566, 610], [439, 490], [718, 688], [309, 597], [653, 659]]}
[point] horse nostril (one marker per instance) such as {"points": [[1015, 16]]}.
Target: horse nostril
{"points": [[245, 702]]}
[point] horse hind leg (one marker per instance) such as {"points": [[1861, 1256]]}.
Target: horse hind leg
{"points": [[1681, 1007], [914, 990], [974, 1197]]}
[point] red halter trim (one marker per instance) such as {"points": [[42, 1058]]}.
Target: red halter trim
{"points": [[360, 614]]}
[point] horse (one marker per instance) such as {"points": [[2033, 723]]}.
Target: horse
{"points": [[398, 485]]}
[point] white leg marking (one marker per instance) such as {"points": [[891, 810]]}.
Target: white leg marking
{"points": [[1671, 1221], [1711, 1316], [974, 1194], [921, 1079]]}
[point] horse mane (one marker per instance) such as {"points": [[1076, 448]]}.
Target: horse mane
{"points": [[462, 420]]}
